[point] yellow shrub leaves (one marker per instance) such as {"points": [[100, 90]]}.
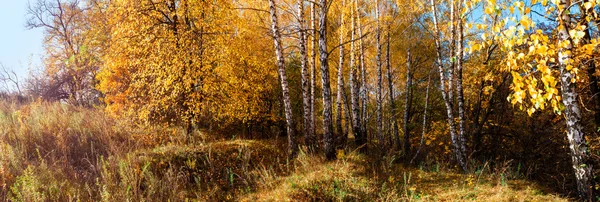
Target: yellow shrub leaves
{"points": [[532, 50], [178, 61]]}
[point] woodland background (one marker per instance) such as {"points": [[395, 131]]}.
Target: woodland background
{"points": [[345, 100]]}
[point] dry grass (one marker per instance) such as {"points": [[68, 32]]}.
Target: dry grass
{"points": [[56, 152], [356, 178], [314, 179], [450, 186], [44, 144]]}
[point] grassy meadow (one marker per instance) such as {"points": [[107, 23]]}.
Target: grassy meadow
{"points": [[58, 152]]}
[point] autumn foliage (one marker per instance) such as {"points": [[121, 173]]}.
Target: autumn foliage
{"points": [[199, 95]]}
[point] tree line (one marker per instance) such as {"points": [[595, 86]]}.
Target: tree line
{"points": [[475, 77]]}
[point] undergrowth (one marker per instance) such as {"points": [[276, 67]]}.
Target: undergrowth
{"points": [[57, 152]]}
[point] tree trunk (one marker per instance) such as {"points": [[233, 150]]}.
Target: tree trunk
{"points": [[354, 87], [424, 130], [363, 93], [460, 157], [459, 86], [311, 139], [361, 134], [379, 78], [340, 80], [407, 105], [452, 55], [347, 117], [292, 148], [394, 122], [328, 135], [363, 88], [304, 67], [575, 135]]}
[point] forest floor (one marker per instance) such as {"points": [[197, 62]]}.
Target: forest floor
{"points": [[54, 152], [358, 177]]}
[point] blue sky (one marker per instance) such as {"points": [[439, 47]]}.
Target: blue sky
{"points": [[18, 45]]}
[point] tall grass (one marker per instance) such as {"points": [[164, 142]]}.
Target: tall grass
{"points": [[49, 149], [57, 152]]}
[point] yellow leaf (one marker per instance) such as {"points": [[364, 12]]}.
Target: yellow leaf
{"points": [[475, 47], [589, 49], [588, 5], [489, 10], [519, 4], [530, 111], [569, 67], [531, 49], [551, 80], [542, 50], [496, 29], [340, 154], [525, 22], [509, 33], [579, 34]]}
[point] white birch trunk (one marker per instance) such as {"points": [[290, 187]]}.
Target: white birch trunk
{"points": [[575, 135], [460, 157], [304, 69], [284, 83], [328, 136], [379, 78]]}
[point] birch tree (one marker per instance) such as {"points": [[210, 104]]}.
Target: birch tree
{"points": [[575, 135], [340, 79], [306, 101], [311, 139], [379, 77], [328, 136], [459, 81], [424, 130], [446, 90], [354, 80], [289, 118], [407, 102], [394, 122], [553, 61], [362, 139]]}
